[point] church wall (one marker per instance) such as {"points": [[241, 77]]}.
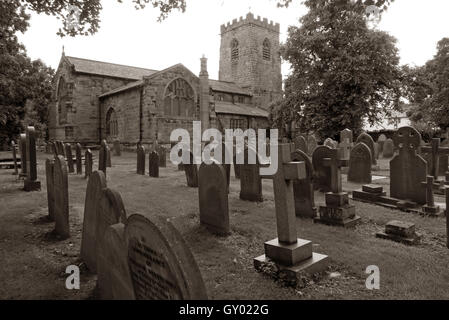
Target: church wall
{"points": [[249, 122]]}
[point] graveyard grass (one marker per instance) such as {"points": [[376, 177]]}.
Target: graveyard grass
{"points": [[34, 262]]}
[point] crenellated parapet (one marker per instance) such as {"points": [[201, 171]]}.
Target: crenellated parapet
{"points": [[250, 19]]}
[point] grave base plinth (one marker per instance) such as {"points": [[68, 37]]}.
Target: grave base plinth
{"points": [[398, 238], [337, 211], [399, 231], [288, 254], [431, 210], [31, 185]]}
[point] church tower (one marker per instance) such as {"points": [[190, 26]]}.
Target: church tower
{"points": [[249, 56]]}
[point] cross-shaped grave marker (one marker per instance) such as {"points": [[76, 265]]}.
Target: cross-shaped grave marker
{"points": [[290, 254], [435, 151], [336, 163], [430, 207]]}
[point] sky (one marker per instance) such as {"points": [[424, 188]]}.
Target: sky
{"points": [[134, 37]]}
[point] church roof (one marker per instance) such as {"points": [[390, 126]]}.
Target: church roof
{"points": [[109, 69], [229, 87], [240, 109]]}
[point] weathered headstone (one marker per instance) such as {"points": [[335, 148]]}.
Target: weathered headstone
{"points": [[301, 144], [88, 163], [408, 169], [49, 173], [430, 207], [329, 142], [79, 160], [108, 157], [140, 159], [102, 158], [376, 150], [23, 155], [290, 254], [162, 156], [94, 191], [400, 231], [31, 183], [311, 144], [14, 157], [360, 164], [368, 140], [213, 198], [61, 192], [303, 189], [68, 153], [447, 216], [160, 263], [322, 178], [250, 181], [388, 149], [191, 172], [117, 148], [381, 141], [346, 143], [114, 279], [153, 164]]}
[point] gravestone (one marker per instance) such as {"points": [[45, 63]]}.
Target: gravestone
{"points": [[434, 152], [140, 159], [162, 156], [329, 142], [31, 183], [381, 141], [117, 148], [114, 279], [400, 231], [430, 208], [79, 160], [444, 160], [68, 153], [291, 255], [153, 164], [346, 143], [366, 139], [14, 157], [301, 144], [360, 164], [49, 173], [376, 150], [250, 181], [191, 172], [108, 157], [322, 173], [237, 166], [303, 189], [61, 193], [388, 149], [102, 158], [213, 198], [53, 149], [311, 144], [447, 216], [23, 155], [160, 262], [61, 149], [94, 191], [88, 163], [408, 169]]}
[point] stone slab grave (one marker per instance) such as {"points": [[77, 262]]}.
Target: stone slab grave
{"points": [[290, 255], [94, 190], [79, 159], [161, 265], [153, 164], [88, 163], [23, 155], [368, 140], [191, 171], [303, 188], [31, 183], [337, 210], [49, 174], [141, 159], [69, 156], [388, 149], [102, 158], [117, 148], [213, 198], [400, 231], [250, 180], [430, 208], [360, 164], [61, 196], [322, 173], [408, 169], [301, 144], [433, 154]]}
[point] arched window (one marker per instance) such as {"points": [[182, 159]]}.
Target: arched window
{"points": [[61, 95], [111, 123], [266, 50], [234, 50], [179, 99]]}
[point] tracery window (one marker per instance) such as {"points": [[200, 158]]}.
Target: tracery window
{"points": [[111, 123], [179, 99]]}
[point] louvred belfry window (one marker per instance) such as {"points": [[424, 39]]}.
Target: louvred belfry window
{"points": [[234, 50], [266, 51]]}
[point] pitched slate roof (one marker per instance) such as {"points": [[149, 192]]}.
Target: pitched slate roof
{"points": [[240, 109], [108, 69], [225, 86]]}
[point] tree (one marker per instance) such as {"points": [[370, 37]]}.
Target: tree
{"points": [[342, 71], [428, 89]]}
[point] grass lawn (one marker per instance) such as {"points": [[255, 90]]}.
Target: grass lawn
{"points": [[34, 264]]}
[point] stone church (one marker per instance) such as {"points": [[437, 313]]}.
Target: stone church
{"points": [[98, 100]]}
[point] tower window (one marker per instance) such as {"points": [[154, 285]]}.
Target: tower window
{"points": [[266, 51], [234, 50]]}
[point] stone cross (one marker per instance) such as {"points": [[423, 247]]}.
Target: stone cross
{"points": [[287, 172], [430, 202], [335, 163], [435, 151]]}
